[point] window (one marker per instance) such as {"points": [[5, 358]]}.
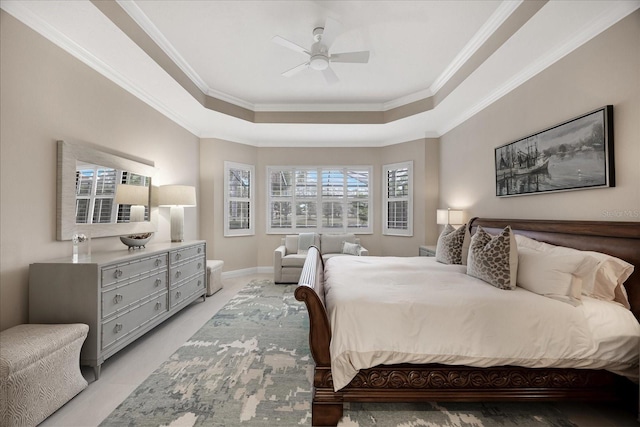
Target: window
{"points": [[96, 191], [238, 199], [397, 187], [322, 199]]}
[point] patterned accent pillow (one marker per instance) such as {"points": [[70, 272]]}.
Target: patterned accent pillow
{"points": [[494, 259], [450, 245], [350, 248]]}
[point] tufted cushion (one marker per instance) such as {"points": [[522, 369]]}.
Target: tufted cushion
{"points": [[494, 259], [449, 249], [332, 243], [291, 244]]}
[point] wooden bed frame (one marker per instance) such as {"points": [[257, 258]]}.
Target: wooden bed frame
{"points": [[433, 382]]}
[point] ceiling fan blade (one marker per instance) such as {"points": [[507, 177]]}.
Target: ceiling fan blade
{"points": [[330, 76], [331, 31], [290, 45], [295, 70], [353, 57]]}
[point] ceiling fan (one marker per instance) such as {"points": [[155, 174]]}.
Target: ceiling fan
{"points": [[319, 57]]}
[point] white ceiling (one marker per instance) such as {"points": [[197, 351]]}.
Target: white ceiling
{"points": [[225, 48]]}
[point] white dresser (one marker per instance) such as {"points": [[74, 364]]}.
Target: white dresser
{"points": [[120, 294]]}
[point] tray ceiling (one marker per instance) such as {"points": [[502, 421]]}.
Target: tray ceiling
{"points": [[212, 67]]}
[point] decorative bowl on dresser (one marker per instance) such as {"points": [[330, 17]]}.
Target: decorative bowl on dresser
{"points": [[120, 294]]}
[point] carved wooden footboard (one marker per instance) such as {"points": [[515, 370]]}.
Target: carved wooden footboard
{"points": [[433, 382]]}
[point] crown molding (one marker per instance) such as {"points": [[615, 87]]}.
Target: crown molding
{"points": [[19, 11], [498, 17], [590, 31], [134, 11]]}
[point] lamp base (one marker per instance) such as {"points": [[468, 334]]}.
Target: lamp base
{"points": [[177, 223]]}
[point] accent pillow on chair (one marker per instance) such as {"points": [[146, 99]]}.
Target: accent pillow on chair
{"points": [[350, 248]]}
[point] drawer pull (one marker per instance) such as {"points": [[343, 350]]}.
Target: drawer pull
{"points": [[178, 294], [158, 305], [199, 282], [117, 273], [199, 250], [158, 262], [117, 328], [158, 281], [178, 274], [178, 256], [118, 298], [199, 265]]}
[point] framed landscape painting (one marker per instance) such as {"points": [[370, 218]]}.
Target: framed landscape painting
{"points": [[574, 155]]}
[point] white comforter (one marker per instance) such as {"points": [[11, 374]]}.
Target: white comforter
{"points": [[387, 310]]}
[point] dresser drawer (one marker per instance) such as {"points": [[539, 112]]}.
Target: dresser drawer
{"points": [[121, 297], [126, 323], [185, 270], [180, 255], [195, 285], [125, 271]]}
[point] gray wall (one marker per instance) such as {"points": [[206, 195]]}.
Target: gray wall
{"points": [[47, 95], [606, 70], [249, 252]]}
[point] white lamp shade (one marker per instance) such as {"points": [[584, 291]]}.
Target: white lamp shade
{"points": [[449, 216], [176, 195], [442, 216], [455, 217], [127, 194]]}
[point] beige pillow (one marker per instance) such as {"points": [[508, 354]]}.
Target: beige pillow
{"points": [[494, 259]]}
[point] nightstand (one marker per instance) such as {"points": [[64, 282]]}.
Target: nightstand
{"points": [[427, 251]]}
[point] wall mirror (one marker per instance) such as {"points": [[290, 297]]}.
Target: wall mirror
{"points": [[102, 192]]}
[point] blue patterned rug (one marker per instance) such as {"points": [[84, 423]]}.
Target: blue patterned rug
{"points": [[250, 366]]}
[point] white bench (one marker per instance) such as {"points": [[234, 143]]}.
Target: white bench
{"points": [[39, 371], [214, 276]]}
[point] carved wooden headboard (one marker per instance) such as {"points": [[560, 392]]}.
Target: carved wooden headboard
{"points": [[619, 239]]}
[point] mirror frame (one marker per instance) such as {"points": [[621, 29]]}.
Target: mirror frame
{"points": [[68, 154]]}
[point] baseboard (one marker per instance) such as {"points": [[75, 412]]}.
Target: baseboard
{"points": [[247, 272]]}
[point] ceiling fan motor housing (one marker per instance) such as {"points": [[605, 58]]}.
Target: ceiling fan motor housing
{"points": [[319, 53]]}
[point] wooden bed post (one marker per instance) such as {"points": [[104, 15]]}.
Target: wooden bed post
{"points": [[327, 406]]}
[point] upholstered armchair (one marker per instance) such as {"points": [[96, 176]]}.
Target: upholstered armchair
{"points": [[288, 258]]}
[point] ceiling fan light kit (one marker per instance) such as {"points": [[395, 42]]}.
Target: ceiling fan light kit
{"points": [[319, 57]]}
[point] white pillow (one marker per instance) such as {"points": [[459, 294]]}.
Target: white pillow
{"points": [[601, 275], [607, 282], [550, 273], [494, 259]]}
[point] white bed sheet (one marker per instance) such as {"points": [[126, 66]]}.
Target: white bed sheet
{"points": [[388, 310]]}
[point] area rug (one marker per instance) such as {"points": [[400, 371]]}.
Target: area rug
{"points": [[250, 366]]}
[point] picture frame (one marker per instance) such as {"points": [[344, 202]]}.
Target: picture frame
{"points": [[573, 155]]}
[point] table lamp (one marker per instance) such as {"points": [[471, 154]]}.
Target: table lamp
{"points": [[177, 197]]}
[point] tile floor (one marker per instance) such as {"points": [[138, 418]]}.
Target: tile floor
{"points": [[123, 372]]}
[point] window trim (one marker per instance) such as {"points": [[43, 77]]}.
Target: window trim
{"points": [[318, 199], [408, 232], [228, 232]]}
